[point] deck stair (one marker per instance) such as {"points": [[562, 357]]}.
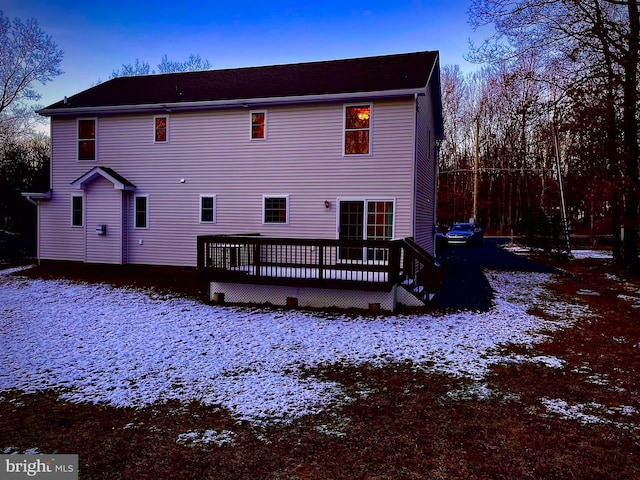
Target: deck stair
{"points": [[421, 274]]}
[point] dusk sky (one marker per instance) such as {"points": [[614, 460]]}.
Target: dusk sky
{"points": [[98, 37]]}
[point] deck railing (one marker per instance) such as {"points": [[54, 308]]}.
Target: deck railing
{"points": [[353, 264], [320, 263]]}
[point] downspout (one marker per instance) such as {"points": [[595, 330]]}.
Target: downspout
{"points": [[414, 200]]}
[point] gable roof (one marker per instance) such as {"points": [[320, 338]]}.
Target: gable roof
{"points": [[119, 182], [388, 75]]}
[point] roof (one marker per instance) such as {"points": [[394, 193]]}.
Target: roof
{"points": [[119, 182], [401, 73]]}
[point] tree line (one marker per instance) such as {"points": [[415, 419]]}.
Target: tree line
{"points": [[544, 136], [553, 111]]}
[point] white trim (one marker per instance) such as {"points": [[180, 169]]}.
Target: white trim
{"points": [[264, 209], [33, 197], [166, 116], [95, 146], [365, 216], [215, 208], [344, 129], [135, 197], [84, 210], [82, 182], [366, 201], [251, 113], [235, 103]]}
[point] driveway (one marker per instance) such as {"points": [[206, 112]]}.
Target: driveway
{"points": [[466, 287]]}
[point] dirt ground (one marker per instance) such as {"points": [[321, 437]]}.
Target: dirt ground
{"points": [[537, 422]]}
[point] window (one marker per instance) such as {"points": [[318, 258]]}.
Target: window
{"points": [[258, 125], [77, 211], [357, 123], [276, 209], [161, 129], [365, 219], [87, 139], [141, 212], [207, 209]]}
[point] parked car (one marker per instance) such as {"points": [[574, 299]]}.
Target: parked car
{"points": [[467, 234]]}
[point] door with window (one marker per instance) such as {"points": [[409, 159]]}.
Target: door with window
{"points": [[366, 219]]}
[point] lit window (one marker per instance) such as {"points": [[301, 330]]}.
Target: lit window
{"points": [[357, 129], [276, 209], [141, 212], [77, 211], [207, 209], [258, 125], [87, 139], [161, 129]]}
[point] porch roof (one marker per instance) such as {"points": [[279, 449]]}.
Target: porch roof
{"points": [[119, 182]]}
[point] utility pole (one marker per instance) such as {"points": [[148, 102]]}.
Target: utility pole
{"points": [[476, 167], [565, 220]]}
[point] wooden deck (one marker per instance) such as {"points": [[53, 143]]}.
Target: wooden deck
{"points": [[373, 265]]}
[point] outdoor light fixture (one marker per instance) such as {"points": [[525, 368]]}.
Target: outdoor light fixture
{"points": [[327, 204]]}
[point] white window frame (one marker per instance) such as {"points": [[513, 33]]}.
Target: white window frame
{"points": [[161, 142], [215, 208], [82, 220], [135, 212], [264, 209], [95, 139], [344, 129], [266, 121]]}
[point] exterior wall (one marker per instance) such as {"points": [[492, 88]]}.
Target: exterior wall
{"points": [[103, 205], [214, 155], [425, 174], [57, 239]]}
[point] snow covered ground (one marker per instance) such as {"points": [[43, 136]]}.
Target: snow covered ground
{"points": [[97, 343]]}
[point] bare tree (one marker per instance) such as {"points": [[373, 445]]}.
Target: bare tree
{"points": [[27, 55], [193, 64], [588, 39]]}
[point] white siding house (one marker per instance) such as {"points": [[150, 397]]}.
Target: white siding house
{"points": [[143, 166]]}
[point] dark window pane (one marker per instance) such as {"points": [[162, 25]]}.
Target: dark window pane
{"points": [[161, 129], [76, 211], [275, 210], [357, 142], [86, 129], [258, 125], [87, 150], [206, 211], [141, 212]]}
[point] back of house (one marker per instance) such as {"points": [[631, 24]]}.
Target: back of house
{"points": [[143, 166]]}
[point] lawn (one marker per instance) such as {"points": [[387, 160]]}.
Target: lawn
{"points": [[144, 383]]}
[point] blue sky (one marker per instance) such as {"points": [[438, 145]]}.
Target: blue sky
{"points": [[99, 36]]}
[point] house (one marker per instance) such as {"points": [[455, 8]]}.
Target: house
{"points": [[172, 169]]}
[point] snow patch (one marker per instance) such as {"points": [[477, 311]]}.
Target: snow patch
{"points": [[122, 347], [191, 439]]}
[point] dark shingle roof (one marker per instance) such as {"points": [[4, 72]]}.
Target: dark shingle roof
{"points": [[370, 74]]}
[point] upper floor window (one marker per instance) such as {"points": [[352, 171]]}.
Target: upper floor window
{"points": [[357, 129], [258, 125], [276, 209], [141, 211], [87, 139], [161, 129]]}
